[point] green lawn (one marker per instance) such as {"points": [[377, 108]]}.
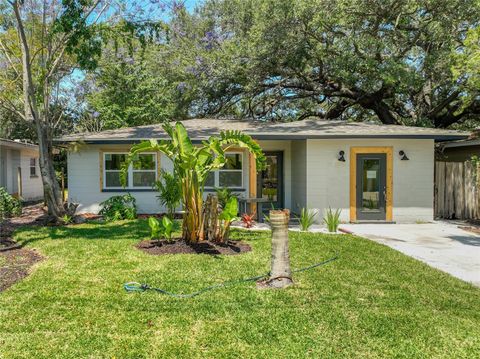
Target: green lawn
{"points": [[372, 302]]}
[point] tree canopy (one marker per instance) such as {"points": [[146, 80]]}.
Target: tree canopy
{"points": [[395, 61]]}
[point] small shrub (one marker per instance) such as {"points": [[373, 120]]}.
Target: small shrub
{"points": [[119, 207], [224, 194], [67, 219], [163, 229], [247, 220], [226, 217], [169, 192], [306, 218], [9, 205], [332, 219]]}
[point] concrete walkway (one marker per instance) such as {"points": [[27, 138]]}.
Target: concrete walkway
{"points": [[441, 245]]}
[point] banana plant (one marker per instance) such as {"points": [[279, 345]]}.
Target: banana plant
{"points": [[228, 215], [192, 164]]}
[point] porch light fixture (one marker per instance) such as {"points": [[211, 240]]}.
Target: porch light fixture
{"points": [[341, 156], [403, 156]]}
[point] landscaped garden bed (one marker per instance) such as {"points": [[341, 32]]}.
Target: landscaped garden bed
{"points": [[158, 247]]}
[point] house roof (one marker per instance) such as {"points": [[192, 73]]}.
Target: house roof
{"points": [[462, 143], [200, 129], [17, 144]]}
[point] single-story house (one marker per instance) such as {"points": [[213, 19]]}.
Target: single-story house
{"points": [[19, 169], [371, 172]]}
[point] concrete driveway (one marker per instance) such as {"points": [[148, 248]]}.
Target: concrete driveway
{"points": [[441, 245]]}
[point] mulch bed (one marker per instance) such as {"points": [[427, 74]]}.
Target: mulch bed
{"points": [[17, 266], [179, 246], [473, 229], [15, 261], [471, 225], [33, 215]]}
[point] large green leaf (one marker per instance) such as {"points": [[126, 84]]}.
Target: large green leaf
{"points": [[185, 145], [229, 213]]}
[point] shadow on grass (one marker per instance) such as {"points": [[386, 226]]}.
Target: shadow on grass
{"points": [[135, 230]]}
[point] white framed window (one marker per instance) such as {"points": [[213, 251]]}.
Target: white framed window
{"points": [[142, 173], [33, 167], [230, 175]]}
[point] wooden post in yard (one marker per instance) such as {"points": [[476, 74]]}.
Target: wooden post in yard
{"points": [[62, 180], [280, 275]]}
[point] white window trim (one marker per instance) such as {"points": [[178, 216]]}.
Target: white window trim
{"points": [[34, 167], [130, 171], [216, 182]]}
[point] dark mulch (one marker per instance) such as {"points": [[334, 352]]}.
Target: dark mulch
{"points": [[15, 265], [179, 246], [473, 229], [32, 215], [471, 225]]}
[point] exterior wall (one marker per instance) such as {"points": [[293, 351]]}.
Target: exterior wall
{"points": [[299, 175], [12, 159], [313, 177], [84, 186], [329, 179], [84, 178], [32, 187]]}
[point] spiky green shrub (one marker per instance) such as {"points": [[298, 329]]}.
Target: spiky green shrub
{"points": [[332, 219], [9, 205], [306, 218]]}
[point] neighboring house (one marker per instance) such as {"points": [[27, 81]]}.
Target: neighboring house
{"points": [[371, 172], [19, 169], [456, 179], [459, 151]]}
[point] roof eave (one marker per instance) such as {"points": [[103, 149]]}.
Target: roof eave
{"points": [[446, 137]]}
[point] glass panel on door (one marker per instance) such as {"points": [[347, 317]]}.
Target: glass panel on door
{"points": [[269, 185], [371, 185]]}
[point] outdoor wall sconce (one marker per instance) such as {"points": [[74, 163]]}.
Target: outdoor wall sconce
{"points": [[403, 156], [341, 156]]}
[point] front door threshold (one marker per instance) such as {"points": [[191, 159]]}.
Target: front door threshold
{"points": [[369, 221]]}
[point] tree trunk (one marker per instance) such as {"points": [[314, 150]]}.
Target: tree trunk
{"points": [[51, 188], [281, 275]]}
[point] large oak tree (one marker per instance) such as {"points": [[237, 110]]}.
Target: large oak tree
{"points": [[395, 61]]}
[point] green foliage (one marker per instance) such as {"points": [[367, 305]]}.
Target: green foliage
{"points": [[227, 216], [9, 205], [163, 228], [169, 192], [270, 193], [119, 207], [332, 219], [224, 194], [192, 164], [389, 61], [306, 218], [67, 219]]}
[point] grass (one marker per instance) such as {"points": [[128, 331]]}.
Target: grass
{"points": [[373, 302]]}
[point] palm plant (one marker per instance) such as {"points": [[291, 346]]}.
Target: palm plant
{"points": [[169, 192], [192, 164]]}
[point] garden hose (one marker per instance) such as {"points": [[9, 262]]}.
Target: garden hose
{"points": [[138, 287]]}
